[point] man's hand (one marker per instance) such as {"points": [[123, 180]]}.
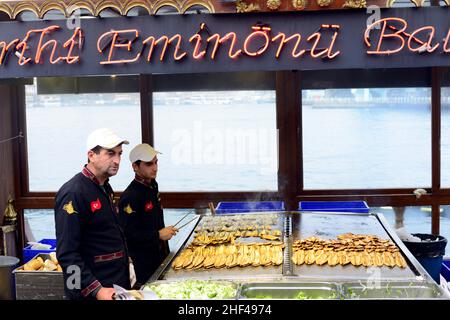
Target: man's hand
{"points": [[167, 233], [105, 294]]}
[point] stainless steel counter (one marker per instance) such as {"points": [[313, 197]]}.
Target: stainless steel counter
{"points": [[412, 281]]}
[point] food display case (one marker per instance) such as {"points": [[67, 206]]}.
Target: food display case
{"points": [[298, 255], [235, 236]]}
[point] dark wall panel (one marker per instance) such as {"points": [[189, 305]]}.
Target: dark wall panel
{"points": [[6, 148]]}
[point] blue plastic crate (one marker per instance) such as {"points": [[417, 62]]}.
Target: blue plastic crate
{"points": [[255, 206], [29, 253], [334, 206], [445, 271]]}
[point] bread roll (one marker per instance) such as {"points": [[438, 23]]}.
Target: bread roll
{"points": [[53, 257], [49, 265], [33, 264]]}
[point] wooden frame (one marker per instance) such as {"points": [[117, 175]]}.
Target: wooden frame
{"points": [[290, 179], [145, 85]]}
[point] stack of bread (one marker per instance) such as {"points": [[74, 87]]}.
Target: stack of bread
{"points": [[38, 264]]}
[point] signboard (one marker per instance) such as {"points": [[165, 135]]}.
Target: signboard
{"points": [[395, 38]]}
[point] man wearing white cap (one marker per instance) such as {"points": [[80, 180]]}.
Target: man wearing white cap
{"points": [[91, 246], [141, 215]]}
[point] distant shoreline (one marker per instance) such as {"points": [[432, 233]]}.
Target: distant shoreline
{"points": [[353, 105]]}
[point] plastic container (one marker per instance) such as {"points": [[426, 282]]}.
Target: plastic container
{"points": [[429, 253], [334, 206], [445, 271], [255, 206], [7, 288], [29, 253]]}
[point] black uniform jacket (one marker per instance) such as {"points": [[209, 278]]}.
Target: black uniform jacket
{"points": [[141, 217], [90, 241]]}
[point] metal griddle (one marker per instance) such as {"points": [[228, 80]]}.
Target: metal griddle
{"points": [[269, 272], [299, 225], [327, 225]]}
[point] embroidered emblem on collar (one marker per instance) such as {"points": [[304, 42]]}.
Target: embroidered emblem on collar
{"points": [[96, 205], [148, 206], [128, 209], [68, 207]]}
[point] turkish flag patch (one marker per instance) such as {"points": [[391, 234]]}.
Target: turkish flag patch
{"points": [[148, 206], [96, 205]]}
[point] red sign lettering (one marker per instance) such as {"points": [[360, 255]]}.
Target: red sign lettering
{"points": [[220, 40], [126, 46], [115, 44], [153, 42], [414, 42], [5, 48], [283, 41], [446, 42], [383, 35], [257, 32]]}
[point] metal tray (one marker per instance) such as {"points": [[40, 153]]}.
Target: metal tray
{"points": [[231, 273], [392, 290], [250, 218], [289, 290], [195, 293], [329, 225]]}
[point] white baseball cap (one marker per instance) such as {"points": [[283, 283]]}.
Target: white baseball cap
{"points": [[105, 138], [143, 152]]}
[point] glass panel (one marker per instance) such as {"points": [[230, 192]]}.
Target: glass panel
{"points": [[42, 224], [171, 217], [417, 220], [137, 11], [403, 4], [367, 138], [196, 9], [3, 16], [58, 126], [412, 219], [167, 10], [445, 130], [215, 141], [54, 15], [27, 16]]}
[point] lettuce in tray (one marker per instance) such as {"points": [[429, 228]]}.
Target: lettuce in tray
{"points": [[193, 289]]}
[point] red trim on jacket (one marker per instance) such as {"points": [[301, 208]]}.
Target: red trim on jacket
{"points": [[142, 181], [108, 257], [94, 285], [88, 174]]}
